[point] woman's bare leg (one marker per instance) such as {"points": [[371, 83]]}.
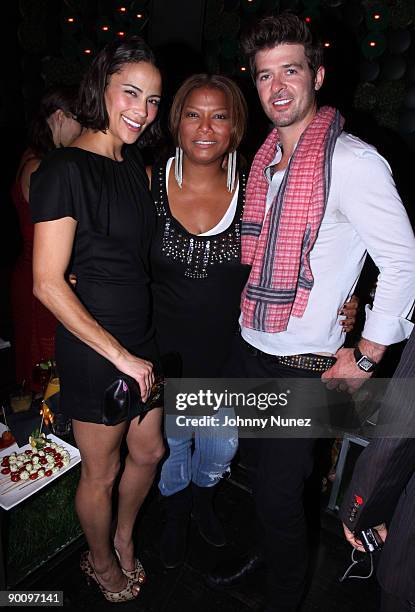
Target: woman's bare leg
{"points": [[100, 449], [145, 446]]}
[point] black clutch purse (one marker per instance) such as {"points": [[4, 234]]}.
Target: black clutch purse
{"points": [[122, 397]]}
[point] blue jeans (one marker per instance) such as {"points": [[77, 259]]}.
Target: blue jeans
{"points": [[214, 449]]}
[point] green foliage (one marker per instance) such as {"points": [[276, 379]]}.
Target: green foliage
{"points": [[383, 100], [80, 38], [390, 99], [402, 13], [41, 526]]}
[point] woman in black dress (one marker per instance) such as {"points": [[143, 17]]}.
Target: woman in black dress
{"points": [[94, 217]]}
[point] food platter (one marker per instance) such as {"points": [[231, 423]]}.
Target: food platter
{"points": [[13, 493]]}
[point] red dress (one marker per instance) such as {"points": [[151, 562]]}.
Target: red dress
{"points": [[34, 325]]}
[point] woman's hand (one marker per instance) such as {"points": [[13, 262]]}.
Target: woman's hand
{"points": [[139, 369], [349, 311]]}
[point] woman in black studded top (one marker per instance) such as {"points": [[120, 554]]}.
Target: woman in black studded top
{"points": [[197, 283]]}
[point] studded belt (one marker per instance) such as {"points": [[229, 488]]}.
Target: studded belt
{"points": [[305, 361]]}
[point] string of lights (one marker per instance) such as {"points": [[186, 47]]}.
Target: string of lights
{"points": [[382, 30]]}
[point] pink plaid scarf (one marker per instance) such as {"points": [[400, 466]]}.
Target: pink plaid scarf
{"points": [[278, 247]]}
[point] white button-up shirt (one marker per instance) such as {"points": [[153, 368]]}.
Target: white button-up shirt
{"points": [[364, 213]]}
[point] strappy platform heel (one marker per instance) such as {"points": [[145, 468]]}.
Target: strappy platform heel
{"points": [[127, 593], [137, 574]]}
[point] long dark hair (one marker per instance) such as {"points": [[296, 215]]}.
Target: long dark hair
{"points": [[92, 112], [40, 137]]}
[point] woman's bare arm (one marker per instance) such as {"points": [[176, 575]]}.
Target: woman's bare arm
{"points": [[51, 254], [27, 169]]}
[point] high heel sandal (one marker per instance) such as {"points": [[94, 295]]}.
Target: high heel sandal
{"points": [[127, 592], [137, 574]]}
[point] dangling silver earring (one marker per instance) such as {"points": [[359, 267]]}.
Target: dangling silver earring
{"points": [[230, 181], [178, 166]]}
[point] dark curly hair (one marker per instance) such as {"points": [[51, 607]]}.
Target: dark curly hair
{"points": [[275, 30], [92, 112]]}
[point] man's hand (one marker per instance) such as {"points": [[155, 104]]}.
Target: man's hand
{"points": [[356, 543], [345, 375]]}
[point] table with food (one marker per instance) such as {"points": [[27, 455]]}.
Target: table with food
{"points": [[25, 470]]}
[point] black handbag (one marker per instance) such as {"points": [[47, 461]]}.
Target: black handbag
{"points": [[123, 394], [122, 397]]}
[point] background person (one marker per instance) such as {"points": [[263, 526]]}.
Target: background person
{"points": [[383, 490], [94, 216], [34, 325]]}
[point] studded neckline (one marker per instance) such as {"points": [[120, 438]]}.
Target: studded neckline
{"points": [[196, 252]]}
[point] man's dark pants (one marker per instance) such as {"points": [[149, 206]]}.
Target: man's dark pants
{"points": [[282, 466], [391, 603]]}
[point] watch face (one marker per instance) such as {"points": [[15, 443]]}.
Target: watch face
{"points": [[365, 364]]}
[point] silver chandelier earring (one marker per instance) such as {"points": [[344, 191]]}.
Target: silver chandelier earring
{"points": [[178, 166], [230, 181]]}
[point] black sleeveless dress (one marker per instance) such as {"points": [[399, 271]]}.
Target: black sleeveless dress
{"points": [[196, 285], [115, 218]]}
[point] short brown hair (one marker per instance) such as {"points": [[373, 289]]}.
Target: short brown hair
{"points": [[238, 107], [92, 112], [271, 31]]}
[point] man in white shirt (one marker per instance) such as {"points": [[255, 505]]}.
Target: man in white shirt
{"points": [[289, 321]]}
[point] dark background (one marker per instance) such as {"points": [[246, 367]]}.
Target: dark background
{"points": [[370, 61], [43, 42]]}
